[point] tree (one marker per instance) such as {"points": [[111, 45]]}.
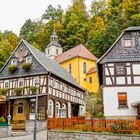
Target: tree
{"points": [[52, 13], [76, 24], [8, 42]]}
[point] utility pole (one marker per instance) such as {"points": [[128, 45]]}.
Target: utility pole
{"points": [[37, 84]]}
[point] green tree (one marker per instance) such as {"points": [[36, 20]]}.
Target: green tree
{"points": [[75, 24]]}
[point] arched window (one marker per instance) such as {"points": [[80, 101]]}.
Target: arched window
{"points": [[84, 67], [57, 109], [90, 80], [50, 108], [20, 108], [70, 68]]}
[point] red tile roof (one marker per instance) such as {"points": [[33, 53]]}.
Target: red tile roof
{"points": [[92, 70], [78, 51]]}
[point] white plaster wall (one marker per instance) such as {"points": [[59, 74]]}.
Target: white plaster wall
{"points": [[137, 80], [110, 100], [136, 68], [120, 80]]}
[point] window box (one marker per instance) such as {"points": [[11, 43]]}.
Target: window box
{"points": [[26, 67], [33, 89], [12, 69], [18, 91], [4, 91]]}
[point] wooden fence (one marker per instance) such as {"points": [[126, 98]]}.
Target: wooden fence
{"points": [[80, 124]]}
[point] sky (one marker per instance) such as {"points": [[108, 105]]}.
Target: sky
{"points": [[13, 13]]}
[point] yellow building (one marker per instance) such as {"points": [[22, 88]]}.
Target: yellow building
{"points": [[81, 63]]}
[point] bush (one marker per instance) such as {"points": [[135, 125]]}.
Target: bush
{"points": [[100, 115], [26, 67], [2, 119], [33, 89], [18, 91], [12, 69], [3, 91]]}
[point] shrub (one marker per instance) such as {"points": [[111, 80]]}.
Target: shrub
{"points": [[26, 67], [3, 91], [18, 91], [33, 89], [100, 115], [2, 119], [12, 69]]}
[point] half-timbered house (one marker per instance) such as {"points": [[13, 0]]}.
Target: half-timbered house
{"points": [[119, 73], [18, 77]]}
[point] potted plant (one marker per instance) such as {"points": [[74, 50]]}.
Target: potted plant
{"points": [[26, 67], [18, 91], [12, 69], [3, 91], [2, 122], [33, 89]]}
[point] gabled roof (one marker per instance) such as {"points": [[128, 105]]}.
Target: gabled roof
{"points": [[92, 70], [117, 53], [49, 64], [78, 51]]}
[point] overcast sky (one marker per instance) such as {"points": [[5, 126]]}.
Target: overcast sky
{"points": [[13, 13]]}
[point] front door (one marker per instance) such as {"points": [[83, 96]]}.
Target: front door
{"points": [[19, 109]]}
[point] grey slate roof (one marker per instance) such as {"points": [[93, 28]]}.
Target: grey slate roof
{"points": [[118, 53], [134, 28], [51, 65]]}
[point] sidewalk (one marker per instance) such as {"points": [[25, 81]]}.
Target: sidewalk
{"points": [[42, 135]]}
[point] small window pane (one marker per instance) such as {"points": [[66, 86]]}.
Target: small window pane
{"points": [[21, 83], [29, 60], [127, 43], [14, 62], [120, 69]]}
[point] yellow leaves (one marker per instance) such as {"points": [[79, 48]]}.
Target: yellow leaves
{"points": [[99, 24]]}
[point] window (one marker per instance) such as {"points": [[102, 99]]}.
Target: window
{"points": [[127, 43], [84, 67], [48, 51], [120, 69], [56, 51], [70, 68], [90, 80], [21, 83], [122, 100], [29, 59], [36, 80], [6, 84], [14, 62], [20, 108]]}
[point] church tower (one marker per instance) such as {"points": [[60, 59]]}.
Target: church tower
{"points": [[54, 48]]}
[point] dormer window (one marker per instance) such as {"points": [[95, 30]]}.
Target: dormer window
{"points": [[29, 59], [127, 43], [14, 62]]}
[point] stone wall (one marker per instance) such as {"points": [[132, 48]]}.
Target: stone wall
{"points": [[29, 126], [57, 135], [5, 131]]}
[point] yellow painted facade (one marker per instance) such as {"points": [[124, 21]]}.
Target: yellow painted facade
{"points": [[94, 82], [78, 73], [16, 115]]}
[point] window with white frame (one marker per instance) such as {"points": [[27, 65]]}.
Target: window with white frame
{"points": [[6, 84], [21, 83], [14, 62], [127, 43], [20, 108], [120, 69], [29, 59], [36, 80]]}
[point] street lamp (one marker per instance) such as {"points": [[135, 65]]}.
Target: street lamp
{"points": [[37, 84]]}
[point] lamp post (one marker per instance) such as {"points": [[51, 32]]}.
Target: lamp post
{"points": [[37, 84]]}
